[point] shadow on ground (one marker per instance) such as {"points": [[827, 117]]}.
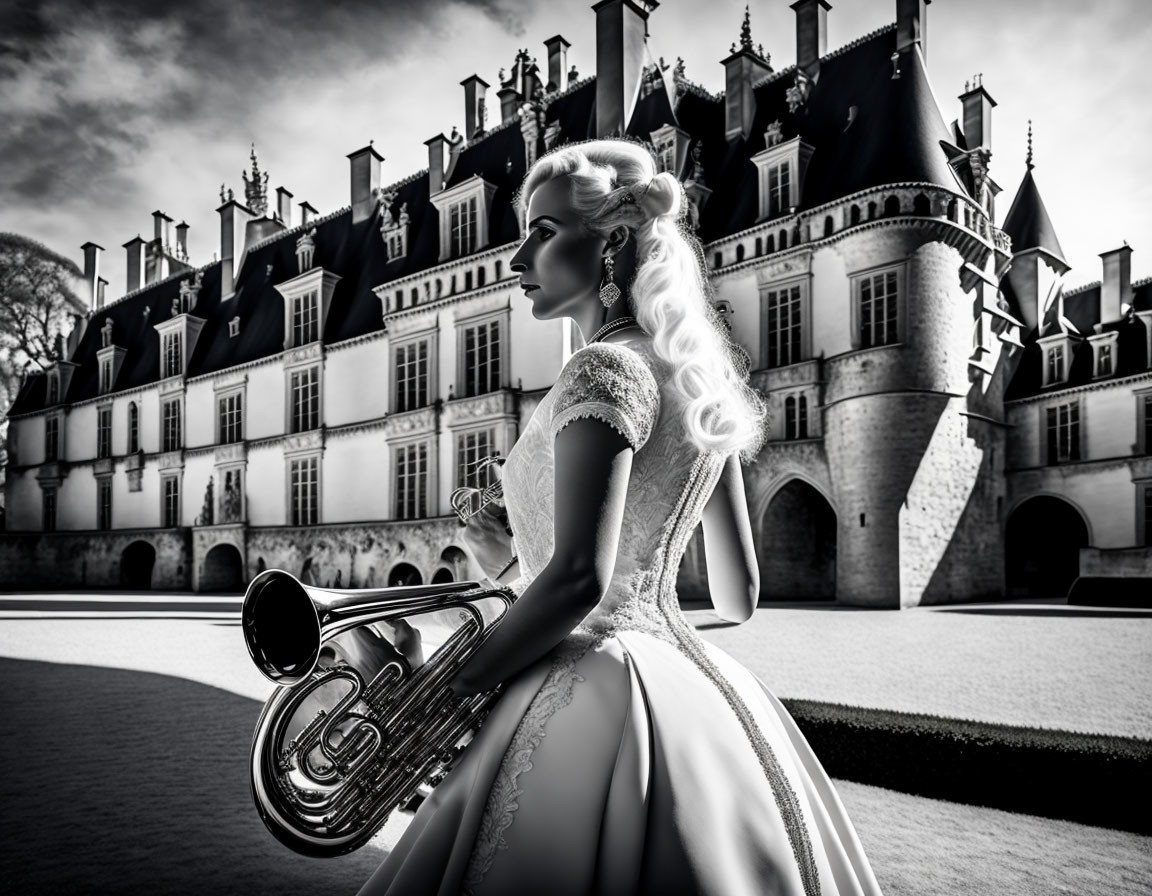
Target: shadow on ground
{"points": [[126, 782]]}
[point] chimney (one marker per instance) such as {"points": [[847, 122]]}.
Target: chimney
{"points": [[307, 213], [741, 70], [1116, 285], [474, 90], [977, 106], [510, 101], [135, 247], [234, 219], [436, 157], [811, 34], [284, 206], [621, 27], [162, 230], [365, 169], [92, 273], [557, 63], [100, 284], [182, 241], [912, 25]]}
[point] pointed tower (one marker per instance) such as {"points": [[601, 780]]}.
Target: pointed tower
{"points": [[1038, 262]]}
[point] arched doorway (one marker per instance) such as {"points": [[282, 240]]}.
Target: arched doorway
{"points": [[456, 562], [223, 569], [1042, 542], [404, 574], [442, 576], [797, 545], [136, 563]]}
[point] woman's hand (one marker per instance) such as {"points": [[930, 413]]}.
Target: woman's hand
{"points": [[486, 536]]}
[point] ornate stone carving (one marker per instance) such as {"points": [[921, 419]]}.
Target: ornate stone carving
{"points": [[309, 352], [303, 441], [305, 249], [797, 94], [422, 420], [206, 510], [774, 134], [494, 404], [172, 460], [235, 451], [256, 188], [189, 293]]}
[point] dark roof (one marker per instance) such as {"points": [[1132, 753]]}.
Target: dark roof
{"points": [[894, 136], [1082, 310], [1028, 223]]}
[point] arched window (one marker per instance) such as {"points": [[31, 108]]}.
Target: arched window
{"points": [[759, 246], [783, 240], [871, 210], [739, 252], [854, 215], [790, 417], [480, 275], [921, 206], [828, 225], [133, 428], [891, 206], [717, 259], [771, 244], [802, 418], [499, 269]]}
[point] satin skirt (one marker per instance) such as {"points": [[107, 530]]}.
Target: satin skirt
{"points": [[640, 779]]}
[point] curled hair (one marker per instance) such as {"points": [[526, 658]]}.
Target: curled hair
{"points": [[670, 294]]}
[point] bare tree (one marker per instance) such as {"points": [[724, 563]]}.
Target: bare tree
{"points": [[37, 302]]}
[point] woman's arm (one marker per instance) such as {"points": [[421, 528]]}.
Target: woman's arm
{"points": [[592, 465], [733, 573]]}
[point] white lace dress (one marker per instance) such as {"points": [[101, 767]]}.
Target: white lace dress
{"points": [[635, 758]]}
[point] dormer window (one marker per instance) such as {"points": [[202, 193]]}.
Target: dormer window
{"points": [[1056, 351], [173, 354], [395, 233], [463, 212], [782, 169], [305, 318], [670, 146], [1103, 354], [53, 387], [105, 375], [234, 327], [307, 299]]}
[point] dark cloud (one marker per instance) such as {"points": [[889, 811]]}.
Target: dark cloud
{"points": [[84, 86]]}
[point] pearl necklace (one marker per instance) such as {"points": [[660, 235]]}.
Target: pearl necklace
{"points": [[621, 323]]}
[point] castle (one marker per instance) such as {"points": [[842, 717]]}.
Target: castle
{"points": [[947, 422]]}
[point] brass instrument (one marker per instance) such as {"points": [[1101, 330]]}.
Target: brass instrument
{"points": [[362, 721]]}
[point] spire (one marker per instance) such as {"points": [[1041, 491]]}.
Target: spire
{"points": [[746, 31], [1027, 222], [256, 188]]}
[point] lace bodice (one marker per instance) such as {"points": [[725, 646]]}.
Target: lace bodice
{"points": [[627, 386]]}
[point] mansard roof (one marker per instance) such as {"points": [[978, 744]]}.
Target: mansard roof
{"points": [[1028, 223], [866, 128], [1082, 311]]}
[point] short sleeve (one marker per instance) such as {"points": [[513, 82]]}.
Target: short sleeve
{"points": [[610, 383]]}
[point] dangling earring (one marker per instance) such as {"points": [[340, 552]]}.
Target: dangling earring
{"points": [[609, 291]]}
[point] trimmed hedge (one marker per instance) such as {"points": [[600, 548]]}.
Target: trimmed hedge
{"points": [[1093, 779]]}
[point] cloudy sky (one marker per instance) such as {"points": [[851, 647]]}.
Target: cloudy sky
{"points": [[110, 109]]}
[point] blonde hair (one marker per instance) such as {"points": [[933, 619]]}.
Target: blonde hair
{"points": [[615, 182]]}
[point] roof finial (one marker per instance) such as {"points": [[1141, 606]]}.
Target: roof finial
{"points": [[1028, 159], [746, 30], [256, 187]]}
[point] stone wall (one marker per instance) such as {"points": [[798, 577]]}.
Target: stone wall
{"points": [[92, 559]]}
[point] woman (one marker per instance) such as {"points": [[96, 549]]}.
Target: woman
{"points": [[625, 755]]}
